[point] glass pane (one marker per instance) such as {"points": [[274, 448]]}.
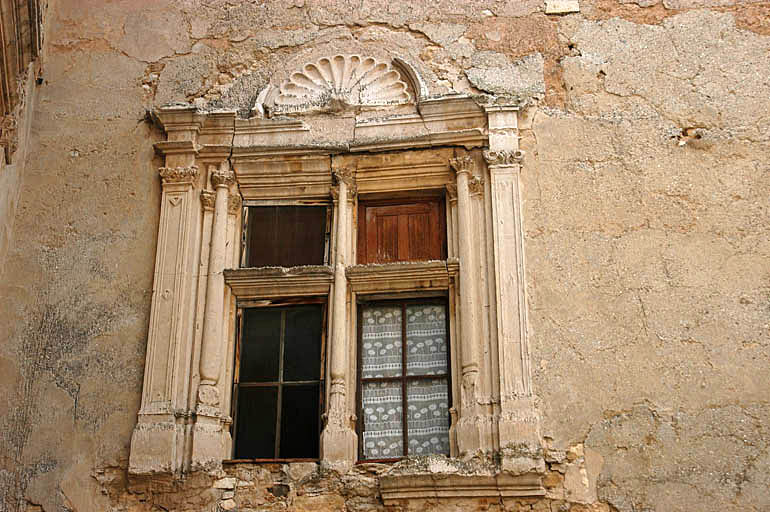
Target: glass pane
{"points": [[427, 418], [257, 407], [381, 341], [299, 422], [260, 344], [426, 340], [302, 338], [383, 435]]}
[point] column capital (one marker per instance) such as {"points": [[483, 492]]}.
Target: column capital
{"points": [[221, 176], [178, 174], [345, 174], [503, 157], [462, 164], [451, 191], [476, 185], [207, 199], [234, 203]]}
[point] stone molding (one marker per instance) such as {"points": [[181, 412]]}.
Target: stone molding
{"points": [[455, 485], [187, 174], [408, 276]]}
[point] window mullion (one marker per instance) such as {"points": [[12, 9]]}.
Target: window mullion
{"points": [[280, 386]]}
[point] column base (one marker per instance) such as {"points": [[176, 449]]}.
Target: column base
{"points": [[339, 448], [157, 445], [210, 443], [475, 435], [521, 445]]}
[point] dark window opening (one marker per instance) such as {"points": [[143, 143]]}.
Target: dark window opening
{"points": [[286, 236], [403, 394], [401, 231], [278, 388]]}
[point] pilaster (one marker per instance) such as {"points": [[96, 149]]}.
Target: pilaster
{"points": [[157, 443], [519, 423]]}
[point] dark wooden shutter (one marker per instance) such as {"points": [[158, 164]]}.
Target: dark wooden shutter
{"points": [[413, 231], [286, 236]]}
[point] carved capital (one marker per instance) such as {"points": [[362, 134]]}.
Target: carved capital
{"points": [[221, 177], [234, 204], [451, 191], [345, 174], [207, 199], [462, 164], [476, 185], [178, 174], [499, 158]]}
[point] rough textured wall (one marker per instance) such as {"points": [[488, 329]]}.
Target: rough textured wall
{"points": [[646, 214]]}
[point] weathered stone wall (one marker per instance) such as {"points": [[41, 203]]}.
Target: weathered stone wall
{"points": [[646, 212]]}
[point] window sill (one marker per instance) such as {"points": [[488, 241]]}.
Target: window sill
{"points": [[267, 461], [406, 276], [267, 282]]}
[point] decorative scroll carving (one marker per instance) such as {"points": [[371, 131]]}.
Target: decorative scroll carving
{"points": [[208, 198], [178, 174], [221, 177], [234, 204], [462, 164], [476, 185], [337, 83], [503, 157]]}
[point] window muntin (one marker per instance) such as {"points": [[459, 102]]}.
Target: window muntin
{"points": [[286, 236], [406, 230], [392, 381], [278, 387]]}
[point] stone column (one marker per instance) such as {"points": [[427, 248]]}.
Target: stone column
{"points": [[469, 427], [338, 439], [519, 424], [157, 443], [209, 437]]}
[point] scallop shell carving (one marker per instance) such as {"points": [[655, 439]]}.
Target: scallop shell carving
{"points": [[339, 82]]}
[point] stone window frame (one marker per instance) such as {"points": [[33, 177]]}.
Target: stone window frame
{"points": [[466, 145]]}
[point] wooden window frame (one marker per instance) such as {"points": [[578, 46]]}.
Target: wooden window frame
{"points": [[237, 384], [361, 303]]}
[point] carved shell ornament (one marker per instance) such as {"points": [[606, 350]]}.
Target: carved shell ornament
{"points": [[337, 83]]}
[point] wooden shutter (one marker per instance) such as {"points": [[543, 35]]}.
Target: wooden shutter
{"points": [[412, 231], [286, 236]]}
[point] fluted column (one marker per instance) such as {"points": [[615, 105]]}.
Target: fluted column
{"points": [[469, 428], [338, 440], [208, 435]]}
